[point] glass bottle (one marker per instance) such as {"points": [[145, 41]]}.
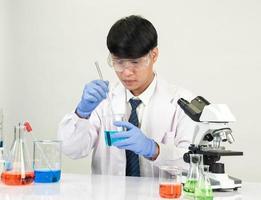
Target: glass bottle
{"points": [[196, 160], [203, 190], [18, 168]]}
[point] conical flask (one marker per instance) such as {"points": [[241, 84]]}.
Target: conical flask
{"points": [[203, 190], [196, 160], [18, 169]]}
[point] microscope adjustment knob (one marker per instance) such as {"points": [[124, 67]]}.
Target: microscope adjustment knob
{"points": [[208, 137], [186, 157]]}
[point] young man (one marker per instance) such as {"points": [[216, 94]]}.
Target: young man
{"points": [[157, 129]]}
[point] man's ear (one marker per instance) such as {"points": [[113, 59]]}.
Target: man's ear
{"points": [[154, 54]]}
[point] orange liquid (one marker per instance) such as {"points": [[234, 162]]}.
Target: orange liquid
{"points": [[170, 190], [15, 178]]}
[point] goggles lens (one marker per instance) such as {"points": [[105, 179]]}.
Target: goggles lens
{"points": [[119, 64]]}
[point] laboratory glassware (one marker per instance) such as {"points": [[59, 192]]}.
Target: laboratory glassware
{"points": [[47, 160], [170, 182], [196, 161], [18, 168], [203, 190], [110, 128], [101, 78], [1, 127], [2, 160]]}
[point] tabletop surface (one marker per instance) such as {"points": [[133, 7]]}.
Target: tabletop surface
{"points": [[78, 186]]}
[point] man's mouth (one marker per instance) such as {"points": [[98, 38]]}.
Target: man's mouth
{"points": [[129, 82]]}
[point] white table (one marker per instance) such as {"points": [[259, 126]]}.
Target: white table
{"points": [[98, 187]]}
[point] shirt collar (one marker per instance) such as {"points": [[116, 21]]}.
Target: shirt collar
{"points": [[145, 95]]}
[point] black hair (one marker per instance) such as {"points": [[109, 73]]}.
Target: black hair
{"points": [[132, 37]]}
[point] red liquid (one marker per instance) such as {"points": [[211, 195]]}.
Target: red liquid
{"points": [[15, 178], [170, 190]]}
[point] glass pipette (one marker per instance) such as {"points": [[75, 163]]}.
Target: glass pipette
{"points": [[101, 77]]}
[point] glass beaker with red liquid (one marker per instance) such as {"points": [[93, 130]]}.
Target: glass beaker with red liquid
{"points": [[170, 185], [18, 168]]}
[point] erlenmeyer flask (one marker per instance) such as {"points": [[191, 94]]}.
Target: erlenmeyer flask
{"points": [[18, 169], [203, 190], [196, 160]]}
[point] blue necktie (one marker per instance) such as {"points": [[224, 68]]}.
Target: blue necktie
{"points": [[132, 165]]}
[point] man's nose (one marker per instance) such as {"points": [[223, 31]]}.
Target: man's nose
{"points": [[127, 70]]}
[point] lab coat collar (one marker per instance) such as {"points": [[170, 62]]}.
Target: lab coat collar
{"points": [[118, 89]]}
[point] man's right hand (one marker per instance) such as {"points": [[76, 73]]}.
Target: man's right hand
{"points": [[93, 93]]}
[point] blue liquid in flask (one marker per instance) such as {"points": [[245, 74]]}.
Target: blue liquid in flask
{"points": [[47, 176], [109, 141]]}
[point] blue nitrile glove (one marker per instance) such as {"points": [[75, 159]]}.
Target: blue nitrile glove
{"points": [[134, 140], [93, 93]]}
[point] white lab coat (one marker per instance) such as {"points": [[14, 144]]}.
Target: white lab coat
{"points": [[162, 120]]}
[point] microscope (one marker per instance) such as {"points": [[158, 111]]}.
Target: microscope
{"points": [[211, 131]]}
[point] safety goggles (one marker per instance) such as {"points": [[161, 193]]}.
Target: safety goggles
{"points": [[120, 64]]}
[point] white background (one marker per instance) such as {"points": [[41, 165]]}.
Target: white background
{"points": [[213, 48]]}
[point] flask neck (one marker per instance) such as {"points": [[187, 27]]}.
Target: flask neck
{"points": [[196, 161], [19, 132]]}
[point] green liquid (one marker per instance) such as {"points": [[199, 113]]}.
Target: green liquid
{"points": [[189, 187], [203, 194]]}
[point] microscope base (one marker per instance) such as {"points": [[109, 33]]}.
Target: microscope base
{"points": [[220, 182], [224, 182]]}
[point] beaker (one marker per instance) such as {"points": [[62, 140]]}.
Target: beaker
{"points": [[1, 142], [1, 127], [170, 182], [18, 167], [47, 161], [110, 129], [2, 160], [196, 160], [203, 190]]}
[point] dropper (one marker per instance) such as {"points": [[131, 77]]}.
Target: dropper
{"points": [[101, 77]]}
